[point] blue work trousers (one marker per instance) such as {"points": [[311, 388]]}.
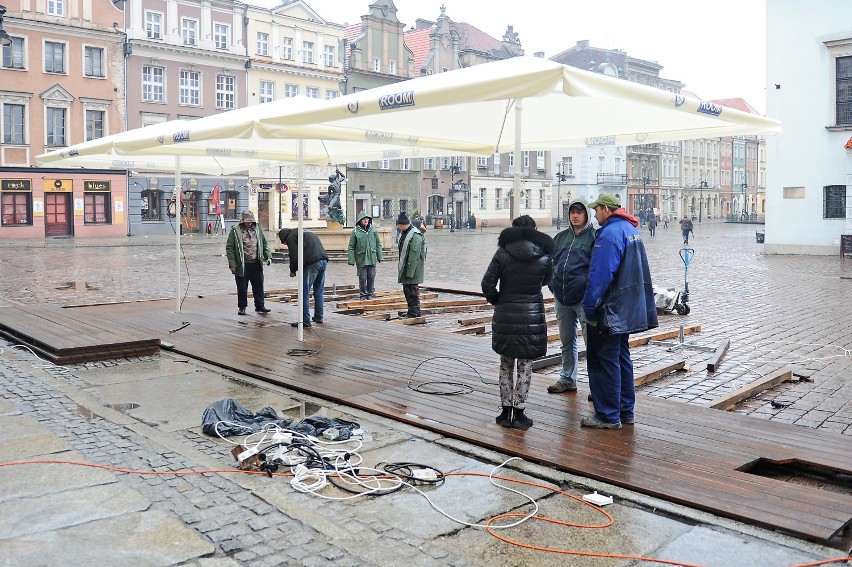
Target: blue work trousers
{"points": [[568, 316], [314, 279], [610, 375]]}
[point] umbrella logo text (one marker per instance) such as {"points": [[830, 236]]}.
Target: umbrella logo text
{"points": [[397, 100]]}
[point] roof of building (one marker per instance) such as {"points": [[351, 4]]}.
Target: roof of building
{"points": [[737, 104]]}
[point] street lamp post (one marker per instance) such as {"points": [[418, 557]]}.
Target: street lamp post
{"points": [[645, 181], [454, 169], [560, 177], [701, 186], [745, 214]]}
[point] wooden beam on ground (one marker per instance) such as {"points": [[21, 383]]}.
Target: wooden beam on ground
{"points": [[459, 309], [470, 330], [730, 401], [554, 359], [395, 298], [378, 316], [656, 371], [713, 363], [410, 321], [475, 320], [662, 336], [350, 312]]}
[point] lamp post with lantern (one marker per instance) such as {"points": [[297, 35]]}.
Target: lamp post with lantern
{"points": [[560, 177], [701, 187]]}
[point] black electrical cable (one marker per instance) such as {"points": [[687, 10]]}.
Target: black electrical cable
{"points": [[308, 351], [459, 387]]}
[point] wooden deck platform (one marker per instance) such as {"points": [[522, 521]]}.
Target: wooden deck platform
{"points": [[696, 456]]}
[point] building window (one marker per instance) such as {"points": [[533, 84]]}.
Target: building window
{"points": [[287, 48], [153, 87], [445, 163], [377, 65], [483, 196], [482, 162], [330, 94], [834, 202], [189, 31], [151, 209], [328, 55], [387, 208], [13, 55], [96, 208], [94, 61], [392, 67], [55, 7], [267, 91], [190, 88], [601, 164], [307, 52], [496, 158], [262, 44], [429, 163], [54, 57], [363, 164], [154, 25], [291, 91], [225, 91], [405, 164], [16, 209], [220, 36], [312, 92], [55, 126], [403, 205], [498, 198], [844, 91], [94, 124], [569, 166], [539, 161], [306, 211], [541, 198], [13, 124], [384, 164]]}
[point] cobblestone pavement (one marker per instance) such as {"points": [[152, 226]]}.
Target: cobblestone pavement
{"points": [[777, 311]]}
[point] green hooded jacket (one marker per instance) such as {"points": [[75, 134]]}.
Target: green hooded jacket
{"points": [[365, 246], [234, 248], [412, 257]]}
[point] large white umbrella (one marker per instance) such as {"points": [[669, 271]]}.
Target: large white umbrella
{"points": [[518, 104]]}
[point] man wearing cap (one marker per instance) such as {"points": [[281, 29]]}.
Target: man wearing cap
{"points": [[570, 269], [412, 260], [619, 300], [365, 251], [314, 264], [247, 252]]}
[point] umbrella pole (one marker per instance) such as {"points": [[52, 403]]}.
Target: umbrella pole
{"points": [[179, 217], [517, 182], [300, 184]]}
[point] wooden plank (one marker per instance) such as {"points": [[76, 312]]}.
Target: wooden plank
{"points": [[391, 299], [730, 401], [409, 320], [716, 359], [657, 371], [663, 336], [378, 316], [470, 330]]}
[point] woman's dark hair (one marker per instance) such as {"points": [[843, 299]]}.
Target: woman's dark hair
{"points": [[524, 220]]}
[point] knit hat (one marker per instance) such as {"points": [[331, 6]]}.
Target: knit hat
{"points": [[403, 219], [607, 200], [248, 216]]}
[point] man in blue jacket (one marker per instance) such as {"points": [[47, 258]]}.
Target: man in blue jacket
{"points": [[619, 300], [570, 269]]}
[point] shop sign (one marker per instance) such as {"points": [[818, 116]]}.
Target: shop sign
{"points": [[16, 185], [58, 186], [96, 185]]}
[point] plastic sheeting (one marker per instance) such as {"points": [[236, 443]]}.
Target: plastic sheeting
{"points": [[237, 419]]}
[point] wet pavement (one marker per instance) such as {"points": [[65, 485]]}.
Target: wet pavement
{"points": [[144, 414]]}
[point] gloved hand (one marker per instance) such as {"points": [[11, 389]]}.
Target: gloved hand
{"points": [[269, 261], [292, 274], [351, 263], [234, 271]]}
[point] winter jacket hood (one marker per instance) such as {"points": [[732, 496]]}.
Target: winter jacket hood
{"points": [[361, 216], [525, 244], [571, 261]]}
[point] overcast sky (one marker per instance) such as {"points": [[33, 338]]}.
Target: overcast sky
{"points": [[718, 49]]}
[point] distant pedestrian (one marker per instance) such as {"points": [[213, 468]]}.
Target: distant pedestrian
{"points": [[412, 262], [666, 220], [685, 228], [247, 252], [313, 277], [619, 300], [512, 283], [365, 252], [652, 224]]}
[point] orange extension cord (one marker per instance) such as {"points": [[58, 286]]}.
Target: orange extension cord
{"points": [[490, 530]]}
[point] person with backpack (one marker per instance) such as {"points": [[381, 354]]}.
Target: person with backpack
{"points": [[685, 228]]}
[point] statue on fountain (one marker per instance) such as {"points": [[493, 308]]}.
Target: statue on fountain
{"points": [[332, 199]]}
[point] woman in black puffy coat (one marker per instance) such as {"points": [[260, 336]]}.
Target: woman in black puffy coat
{"points": [[522, 265]]}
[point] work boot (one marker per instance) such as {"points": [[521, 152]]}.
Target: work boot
{"points": [[242, 311], [520, 421], [505, 417], [595, 423], [561, 386], [263, 309]]}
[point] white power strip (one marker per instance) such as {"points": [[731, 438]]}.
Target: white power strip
{"points": [[597, 499], [424, 474]]}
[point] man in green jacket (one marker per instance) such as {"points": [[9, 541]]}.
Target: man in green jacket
{"points": [[365, 251], [247, 252], [412, 260]]}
